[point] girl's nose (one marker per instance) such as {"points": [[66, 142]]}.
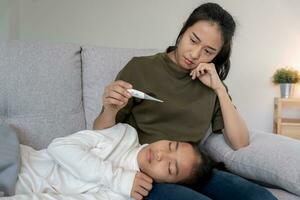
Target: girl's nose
{"points": [[160, 155]]}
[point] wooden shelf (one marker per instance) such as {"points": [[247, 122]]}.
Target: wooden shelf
{"points": [[290, 122], [286, 126]]}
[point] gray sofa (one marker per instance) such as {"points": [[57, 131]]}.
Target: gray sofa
{"points": [[49, 90]]}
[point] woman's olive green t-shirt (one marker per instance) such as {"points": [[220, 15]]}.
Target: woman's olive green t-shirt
{"points": [[188, 109]]}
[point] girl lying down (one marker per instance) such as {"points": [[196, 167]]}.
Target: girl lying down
{"points": [[109, 163]]}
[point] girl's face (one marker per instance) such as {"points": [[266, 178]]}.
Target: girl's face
{"points": [[168, 161], [200, 43]]}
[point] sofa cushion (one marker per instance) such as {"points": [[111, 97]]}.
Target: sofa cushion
{"points": [[10, 160], [100, 67], [271, 159], [283, 195], [41, 92]]}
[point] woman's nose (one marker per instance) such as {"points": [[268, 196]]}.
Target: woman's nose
{"points": [[196, 53]]}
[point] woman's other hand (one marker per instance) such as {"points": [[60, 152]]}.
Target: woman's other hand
{"points": [[207, 74]]}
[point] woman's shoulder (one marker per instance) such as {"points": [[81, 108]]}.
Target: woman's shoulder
{"points": [[146, 60], [141, 66]]}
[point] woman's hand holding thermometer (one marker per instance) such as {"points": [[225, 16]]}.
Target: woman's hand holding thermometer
{"points": [[142, 95]]}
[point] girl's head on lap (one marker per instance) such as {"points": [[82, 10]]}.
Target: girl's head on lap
{"points": [[175, 162]]}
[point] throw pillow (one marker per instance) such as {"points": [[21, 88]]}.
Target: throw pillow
{"points": [[270, 158]]}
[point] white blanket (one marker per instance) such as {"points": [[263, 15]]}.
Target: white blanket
{"points": [[98, 164], [48, 196]]}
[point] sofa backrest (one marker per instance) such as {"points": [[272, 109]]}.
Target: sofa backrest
{"points": [[49, 90], [100, 67], [41, 90]]}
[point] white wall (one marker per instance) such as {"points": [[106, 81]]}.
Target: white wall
{"points": [[4, 19], [268, 37], [9, 19]]}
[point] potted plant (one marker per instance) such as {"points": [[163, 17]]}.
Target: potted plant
{"points": [[286, 77]]}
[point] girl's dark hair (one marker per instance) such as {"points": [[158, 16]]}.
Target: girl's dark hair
{"points": [[202, 170], [214, 13]]}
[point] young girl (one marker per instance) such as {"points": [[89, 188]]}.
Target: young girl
{"points": [[188, 77], [109, 163]]}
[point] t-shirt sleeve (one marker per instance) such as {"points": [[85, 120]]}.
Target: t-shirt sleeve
{"points": [[217, 122]]}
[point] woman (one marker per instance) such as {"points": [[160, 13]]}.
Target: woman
{"points": [[188, 77]]}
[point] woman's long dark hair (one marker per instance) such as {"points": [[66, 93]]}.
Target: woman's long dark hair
{"points": [[214, 13]]}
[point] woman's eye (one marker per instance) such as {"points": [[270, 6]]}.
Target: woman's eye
{"points": [[193, 41], [207, 52]]}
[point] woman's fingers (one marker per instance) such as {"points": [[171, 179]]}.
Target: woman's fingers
{"points": [[197, 73], [112, 101], [122, 87], [118, 90], [193, 74], [202, 69], [115, 95], [123, 84]]}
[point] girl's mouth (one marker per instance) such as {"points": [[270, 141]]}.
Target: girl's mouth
{"points": [[149, 155]]}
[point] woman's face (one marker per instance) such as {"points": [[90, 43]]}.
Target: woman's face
{"points": [[199, 44], [168, 161]]}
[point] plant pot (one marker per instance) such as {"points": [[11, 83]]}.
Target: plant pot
{"points": [[286, 89]]}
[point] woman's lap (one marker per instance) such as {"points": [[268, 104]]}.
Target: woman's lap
{"points": [[221, 186], [167, 191], [225, 185]]}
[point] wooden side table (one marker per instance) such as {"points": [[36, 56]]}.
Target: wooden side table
{"points": [[286, 126]]}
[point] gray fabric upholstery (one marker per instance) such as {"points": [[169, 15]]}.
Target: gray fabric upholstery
{"points": [[10, 160], [271, 159], [41, 93], [100, 67], [283, 195]]}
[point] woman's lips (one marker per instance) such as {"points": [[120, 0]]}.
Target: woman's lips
{"points": [[188, 61]]}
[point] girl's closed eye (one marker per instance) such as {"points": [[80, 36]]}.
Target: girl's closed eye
{"points": [[169, 168]]}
